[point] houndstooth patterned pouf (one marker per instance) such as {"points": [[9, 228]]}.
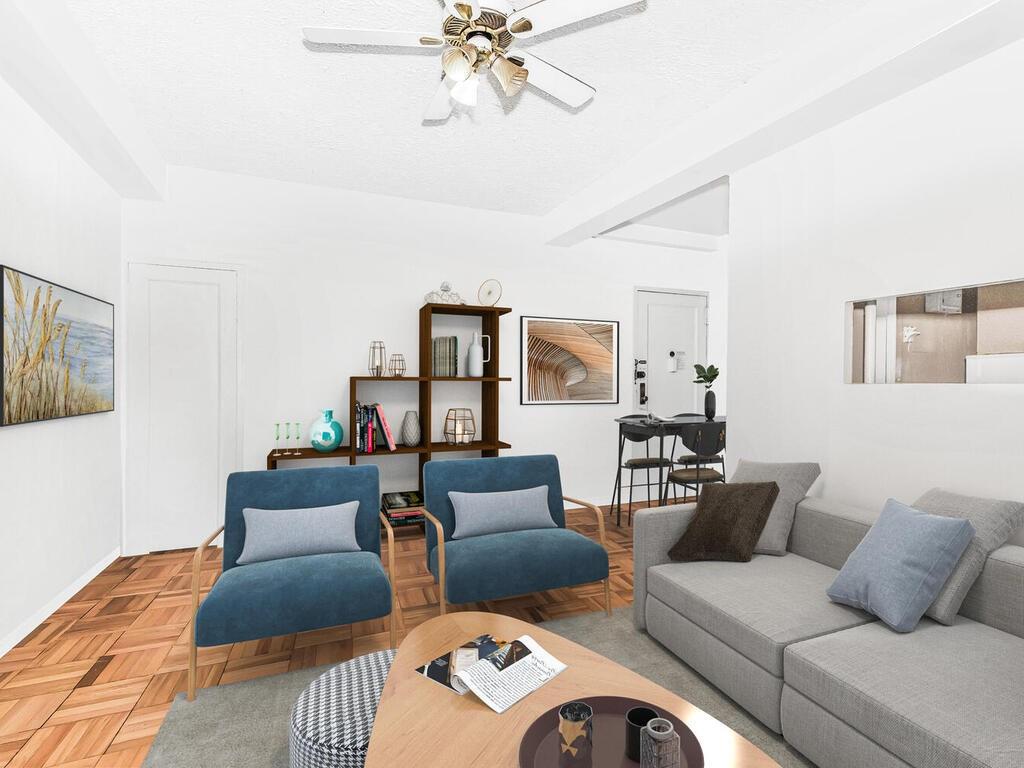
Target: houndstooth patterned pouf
{"points": [[333, 717]]}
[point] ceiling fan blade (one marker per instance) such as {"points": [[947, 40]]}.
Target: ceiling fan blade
{"points": [[328, 36], [552, 80], [467, 10], [440, 106], [546, 15]]}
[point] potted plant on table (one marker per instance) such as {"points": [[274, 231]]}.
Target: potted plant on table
{"points": [[707, 376]]}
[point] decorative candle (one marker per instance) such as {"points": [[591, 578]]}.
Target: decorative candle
{"points": [[659, 745]]}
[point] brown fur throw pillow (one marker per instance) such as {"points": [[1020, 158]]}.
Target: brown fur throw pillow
{"points": [[728, 522]]}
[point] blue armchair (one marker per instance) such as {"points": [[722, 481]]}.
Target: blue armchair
{"points": [[295, 594], [500, 565]]}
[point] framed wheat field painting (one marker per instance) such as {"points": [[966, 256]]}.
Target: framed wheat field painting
{"points": [[566, 361], [57, 350]]}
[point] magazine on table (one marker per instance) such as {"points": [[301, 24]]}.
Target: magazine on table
{"points": [[500, 673]]}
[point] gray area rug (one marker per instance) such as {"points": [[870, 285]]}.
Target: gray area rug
{"points": [[245, 725]]}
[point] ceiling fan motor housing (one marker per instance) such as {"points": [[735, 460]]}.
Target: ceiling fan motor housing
{"points": [[490, 24]]}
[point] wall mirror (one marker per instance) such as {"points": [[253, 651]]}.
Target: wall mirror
{"points": [[969, 335]]}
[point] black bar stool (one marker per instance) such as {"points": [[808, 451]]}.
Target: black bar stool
{"points": [[708, 450], [644, 463]]}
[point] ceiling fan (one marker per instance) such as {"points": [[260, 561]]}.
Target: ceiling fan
{"points": [[475, 38]]}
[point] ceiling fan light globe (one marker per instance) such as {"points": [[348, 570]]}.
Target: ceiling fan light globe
{"points": [[465, 92], [511, 76], [457, 63]]}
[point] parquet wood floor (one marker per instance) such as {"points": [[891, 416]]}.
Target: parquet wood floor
{"points": [[91, 685]]}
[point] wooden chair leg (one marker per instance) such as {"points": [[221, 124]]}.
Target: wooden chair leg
{"points": [[393, 629], [607, 597], [193, 653]]}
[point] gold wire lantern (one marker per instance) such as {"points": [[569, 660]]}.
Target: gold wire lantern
{"points": [[396, 365], [377, 362], [459, 426]]}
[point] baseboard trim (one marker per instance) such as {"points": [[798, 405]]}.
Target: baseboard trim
{"points": [[26, 627]]}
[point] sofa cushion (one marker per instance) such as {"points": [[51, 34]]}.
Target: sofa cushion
{"points": [[728, 521], [272, 534], [900, 566], [519, 562], [296, 594], [939, 697], [994, 522], [794, 481], [756, 608], [478, 514]]}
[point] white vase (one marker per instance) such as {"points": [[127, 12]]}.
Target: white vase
{"points": [[411, 432], [475, 356]]}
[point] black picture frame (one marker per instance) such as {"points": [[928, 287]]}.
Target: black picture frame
{"points": [[524, 363], [4, 268]]}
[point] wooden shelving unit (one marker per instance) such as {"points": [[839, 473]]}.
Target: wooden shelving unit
{"points": [[488, 443]]}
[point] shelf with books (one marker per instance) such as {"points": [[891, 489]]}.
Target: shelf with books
{"points": [[388, 378], [476, 445], [470, 378], [342, 452], [382, 450], [387, 424]]}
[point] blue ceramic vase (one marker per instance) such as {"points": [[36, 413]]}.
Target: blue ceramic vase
{"points": [[326, 434]]}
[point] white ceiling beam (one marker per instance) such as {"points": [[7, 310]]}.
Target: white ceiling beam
{"points": [[665, 237], [888, 49], [51, 65]]}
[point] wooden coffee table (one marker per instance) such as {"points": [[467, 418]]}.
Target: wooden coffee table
{"points": [[421, 723]]}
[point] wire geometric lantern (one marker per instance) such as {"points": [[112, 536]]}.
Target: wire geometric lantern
{"points": [[377, 362], [396, 365], [459, 426]]}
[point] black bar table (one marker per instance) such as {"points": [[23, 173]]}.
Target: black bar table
{"points": [[686, 428]]}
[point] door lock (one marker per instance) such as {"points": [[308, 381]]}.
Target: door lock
{"points": [[639, 374]]}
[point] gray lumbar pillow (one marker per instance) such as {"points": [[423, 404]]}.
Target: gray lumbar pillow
{"points": [[477, 514], [794, 480], [901, 564], [994, 522], [272, 534]]}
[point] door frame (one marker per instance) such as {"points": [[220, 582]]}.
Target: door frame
{"points": [[637, 290], [241, 286]]}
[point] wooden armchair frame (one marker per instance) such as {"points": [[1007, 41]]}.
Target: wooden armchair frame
{"points": [[197, 564], [439, 530]]}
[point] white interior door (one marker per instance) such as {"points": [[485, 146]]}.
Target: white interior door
{"points": [[671, 336], [182, 438]]}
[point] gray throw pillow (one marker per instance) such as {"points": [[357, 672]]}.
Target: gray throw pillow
{"points": [[994, 522], [272, 534], [901, 564], [477, 514], [794, 481]]}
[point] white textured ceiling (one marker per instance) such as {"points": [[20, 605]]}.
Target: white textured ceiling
{"points": [[228, 85]]}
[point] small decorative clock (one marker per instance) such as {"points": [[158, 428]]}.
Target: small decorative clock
{"points": [[489, 293]]}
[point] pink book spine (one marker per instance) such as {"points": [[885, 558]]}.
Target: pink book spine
{"points": [[387, 428]]}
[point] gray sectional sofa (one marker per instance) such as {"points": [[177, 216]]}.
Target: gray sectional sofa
{"points": [[842, 688]]}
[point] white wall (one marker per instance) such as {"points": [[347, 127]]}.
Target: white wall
{"points": [[326, 271], [60, 495], [924, 192]]}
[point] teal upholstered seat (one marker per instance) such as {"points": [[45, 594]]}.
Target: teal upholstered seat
{"points": [[505, 564], [280, 596], [295, 594]]}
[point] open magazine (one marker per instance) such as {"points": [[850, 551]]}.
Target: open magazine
{"points": [[500, 673]]}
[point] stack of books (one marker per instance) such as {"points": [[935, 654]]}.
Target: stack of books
{"points": [[403, 507], [445, 358], [372, 430]]}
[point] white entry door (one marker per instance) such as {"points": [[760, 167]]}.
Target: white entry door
{"points": [[671, 336], [182, 437]]}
